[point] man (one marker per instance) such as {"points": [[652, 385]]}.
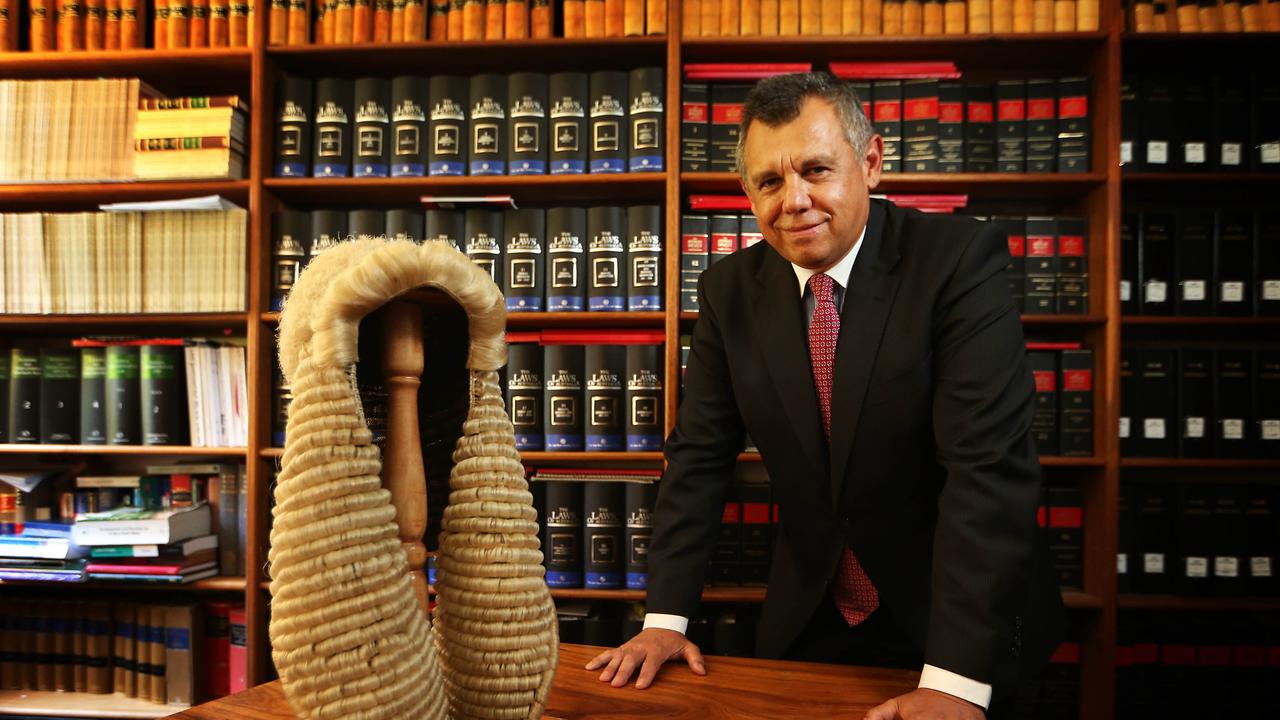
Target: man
{"points": [[877, 359]]}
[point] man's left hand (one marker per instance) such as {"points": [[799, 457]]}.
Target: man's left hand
{"points": [[925, 704]]}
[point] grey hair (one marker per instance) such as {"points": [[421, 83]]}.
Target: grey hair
{"points": [[777, 100]]}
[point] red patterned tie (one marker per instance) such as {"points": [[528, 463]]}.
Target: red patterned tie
{"points": [[854, 594]]}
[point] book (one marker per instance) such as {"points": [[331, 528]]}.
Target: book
{"points": [[647, 120], [1066, 534], [403, 224], [1194, 539], [446, 226], [161, 394], [524, 278], [640, 501], [568, 97], [1194, 258], [332, 128], [1155, 263], [524, 394], [1195, 123], [132, 526], [1233, 271], [123, 394], [1041, 126], [562, 529], [951, 149], [645, 286], [603, 506], [166, 552], [566, 276], [1044, 416], [23, 426], [726, 115], [238, 652], [608, 124], [605, 368], [1072, 293], [979, 128], [1158, 116], [408, 151], [1075, 407], [695, 238], [562, 377], [483, 233], [606, 258], [1011, 126], [644, 419], [886, 101], [59, 406], [487, 124], [372, 97], [1157, 399], [1233, 403], [527, 151], [695, 127], [1195, 402], [447, 125], [1042, 266], [920, 125], [1156, 537]]}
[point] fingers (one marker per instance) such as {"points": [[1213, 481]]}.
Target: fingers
{"points": [[887, 710], [601, 659], [648, 671], [624, 670], [612, 667], [693, 656]]}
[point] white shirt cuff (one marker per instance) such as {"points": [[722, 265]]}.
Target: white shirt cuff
{"points": [[679, 623], [945, 681]]}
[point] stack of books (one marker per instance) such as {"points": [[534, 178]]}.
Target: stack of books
{"points": [[128, 544], [190, 137], [40, 551]]}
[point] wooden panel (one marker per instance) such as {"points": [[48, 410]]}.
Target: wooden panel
{"points": [[399, 192], [177, 323], [87, 196], [79, 705], [184, 451]]}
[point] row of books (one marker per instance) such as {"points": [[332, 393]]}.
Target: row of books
{"points": [[162, 391], [1199, 401], [121, 24], [527, 123], [595, 526], [53, 130], [558, 259], [180, 24], [191, 137], [123, 262], [1198, 122], [1060, 518], [167, 654], [1198, 538], [727, 631], [1198, 261], [1062, 421], [330, 22], [727, 18], [1147, 16], [928, 125], [1049, 263]]}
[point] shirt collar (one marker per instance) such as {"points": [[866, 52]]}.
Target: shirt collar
{"points": [[838, 272]]}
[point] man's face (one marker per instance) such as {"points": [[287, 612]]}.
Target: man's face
{"points": [[808, 187]]}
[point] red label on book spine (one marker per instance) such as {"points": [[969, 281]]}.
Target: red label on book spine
{"points": [[1013, 110], [724, 244], [1077, 380], [1215, 655], [755, 513], [1040, 109], [726, 113], [888, 111], [1066, 517], [1178, 655], [1073, 107], [1039, 246], [1249, 656], [1067, 653], [920, 108], [1044, 380], [1071, 245], [1146, 653], [1124, 655], [1042, 516], [732, 513], [696, 244], [695, 112], [981, 112], [951, 112], [1018, 245]]}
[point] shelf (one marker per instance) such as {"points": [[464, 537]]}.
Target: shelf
{"points": [[1198, 178], [1200, 321], [88, 195], [154, 66], [1202, 463], [80, 705], [1081, 601], [711, 594], [554, 456], [368, 192], [51, 324], [142, 450], [1002, 186], [1133, 601], [1083, 462], [1027, 320], [213, 584], [494, 56], [554, 320]]}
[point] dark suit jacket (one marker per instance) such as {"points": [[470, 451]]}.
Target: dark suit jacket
{"points": [[931, 475]]}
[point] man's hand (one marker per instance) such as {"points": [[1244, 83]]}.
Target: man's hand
{"points": [[646, 651], [925, 704]]}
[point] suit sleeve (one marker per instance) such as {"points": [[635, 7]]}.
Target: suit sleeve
{"points": [[983, 401], [701, 452]]}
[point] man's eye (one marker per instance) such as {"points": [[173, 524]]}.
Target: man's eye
{"points": [[817, 170], [768, 184]]}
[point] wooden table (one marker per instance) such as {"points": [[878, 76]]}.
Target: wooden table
{"points": [[732, 688]]}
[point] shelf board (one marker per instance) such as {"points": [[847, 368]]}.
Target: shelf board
{"points": [[1200, 321], [142, 450], [213, 584], [149, 64], [80, 705], [549, 320], [1059, 461], [1202, 463], [1198, 178], [554, 456], [1030, 320], [1075, 600], [321, 192], [87, 323], [82, 195], [480, 56], [1081, 601], [271, 452], [1133, 601], [997, 185]]}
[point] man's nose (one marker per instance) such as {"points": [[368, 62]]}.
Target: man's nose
{"points": [[795, 195]]}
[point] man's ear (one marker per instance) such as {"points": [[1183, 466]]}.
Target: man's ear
{"points": [[873, 161]]}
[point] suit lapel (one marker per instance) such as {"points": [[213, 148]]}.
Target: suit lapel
{"points": [[781, 337], [867, 302]]}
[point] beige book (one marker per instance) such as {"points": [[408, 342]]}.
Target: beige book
{"points": [[872, 17], [41, 105], [810, 17], [709, 26], [788, 17], [1271, 15], [953, 21], [933, 17], [730, 17], [850, 17], [1087, 12], [979, 16], [891, 17], [1231, 19], [769, 18], [912, 17], [749, 19], [1042, 15], [691, 18], [831, 11], [1022, 16], [1064, 15], [1002, 16]]}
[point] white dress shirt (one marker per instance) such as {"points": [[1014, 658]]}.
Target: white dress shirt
{"points": [[931, 677]]}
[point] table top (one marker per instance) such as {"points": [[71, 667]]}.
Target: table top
{"points": [[733, 687]]}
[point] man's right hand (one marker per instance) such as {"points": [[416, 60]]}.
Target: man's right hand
{"points": [[646, 651]]}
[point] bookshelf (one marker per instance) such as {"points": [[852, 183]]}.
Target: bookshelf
{"points": [[1096, 194], [31, 703]]}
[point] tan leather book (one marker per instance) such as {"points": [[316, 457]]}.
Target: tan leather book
{"points": [[851, 17], [614, 12], [296, 29], [1042, 15], [362, 21], [655, 17], [872, 17], [160, 24], [690, 18], [934, 17], [953, 17], [111, 27], [1022, 13], [278, 22], [769, 18], [810, 17], [1210, 18], [454, 20], [95, 17], [978, 16], [199, 24], [912, 17], [472, 20], [632, 17], [343, 22], [891, 12], [179, 24], [1162, 23], [831, 16], [1271, 15], [1087, 14], [515, 20], [710, 24], [494, 15], [1187, 17], [1064, 15], [730, 16], [1144, 16], [594, 18], [43, 17], [1231, 18], [749, 20], [541, 19], [238, 24], [1001, 16], [575, 18]]}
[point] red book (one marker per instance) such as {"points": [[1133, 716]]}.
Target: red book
{"points": [[742, 71], [146, 569], [238, 656], [1053, 346], [719, 202], [929, 202], [599, 337], [217, 635], [942, 70]]}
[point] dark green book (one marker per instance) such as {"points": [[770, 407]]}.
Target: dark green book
{"points": [[59, 375], [93, 388], [4, 395], [122, 390], [24, 394], [163, 386]]}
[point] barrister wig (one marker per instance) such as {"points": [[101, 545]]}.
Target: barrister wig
{"points": [[347, 635]]}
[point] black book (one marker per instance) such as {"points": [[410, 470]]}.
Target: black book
{"points": [[1129, 410], [1130, 124], [1231, 121], [648, 120], [1234, 268], [1074, 136], [332, 156], [366, 224], [483, 233], [4, 394], [886, 103], [447, 125], [289, 232], [724, 237], [404, 225], [1195, 402], [1195, 122], [1066, 534], [1014, 230], [644, 397], [1262, 538], [1230, 542], [607, 259], [568, 98], [59, 406], [446, 226], [757, 532], [1011, 126], [1157, 399], [373, 123], [1268, 232], [1268, 394], [1233, 403], [163, 386], [1044, 416], [409, 97], [606, 367], [566, 259], [1155, 263], [1075, 403], [1042, 126], [644, 258], [920, 125], [726, 559], [281, 398], [1159, 118], [695, 128], [695, 239], [748, 231], [487, 124], [1156, 545], [527, 123], [1040, 296], [124, 404], [726, 114], [1129, 263], [24, 394], [1266, 121], [1195, 539], [950, 127], [293, 129], [525, 230], [562, 376], [603, 505], [641, 498], [1124, 545], [979, 128], [1194, 262], [524, 394], [328, 228], [93, 388], [608, 119], [562, 539], [1073, 266]]}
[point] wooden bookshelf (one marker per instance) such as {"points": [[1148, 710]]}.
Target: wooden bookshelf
{"points": [[1136, 601], [185, 451], [544, 457], [1199, 179], [207, 585], [1202, 463], [33, 703], [140, 322], [86, 195], [1199, 321], [1028, 321], [167, 70], [377, 192]]}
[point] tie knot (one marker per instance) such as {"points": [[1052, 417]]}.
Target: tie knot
{"points": [[820, 285]]}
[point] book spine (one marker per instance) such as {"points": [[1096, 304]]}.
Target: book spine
{"points": [[562, 540], [644, 258], [42, 23], [448, 125], [566, 261], [5, 381], [756, 547], [1155, 263], [562, 374], [437, 21], [1193, 259], [748, 231], [726, 114], [332, 127], [112, 15], [365, 224], [181, 633], [1042, 266], [524, 394], [163, 406], [409, 98], [278, 22], [633, 17], [951, 127], [723, 238], [1268, 391], [606, 255], [609, 137], [238, 23], [446, 226], [415, 21], [655, 17], [403, 224], [328, 228], [371, 126], [1158, 113], [95, 16], [1066, 534], [1075, 419], [644, 398], [648, 120], [1042, 126], [527, 124], [487, 124], [123, 401], [1044, 417], [1195, 402], [640, 501], [220, 24], [1233, 403], [59, 376], [1074, 135], [695, 235], [541, 19], [237, 654], [886, 98], [726, 559], [1011, 126], [24, 395], [1195, 539], [1073, 266], [524, 278], [1260, 532], [980, 128], [291, 228], [494, 14], [484, 241], [568, 95], [1235, 263], [695, 128], [605, 369], [1156, 390], [603, 504], [920, 116], [217, 638], [179, 24]]}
